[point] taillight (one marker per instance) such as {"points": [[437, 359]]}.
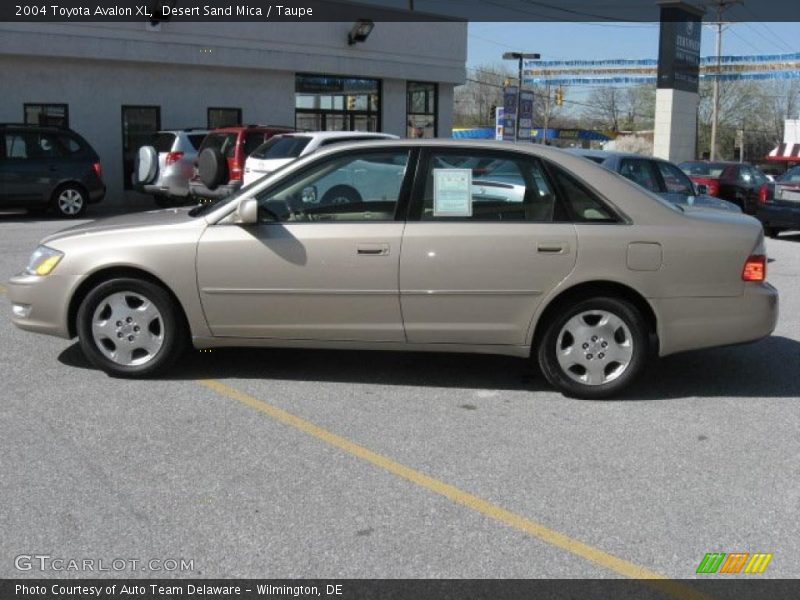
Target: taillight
{"points": [[763, 194], [98, 169], [755, 268], [173, 157], [236, 173]]}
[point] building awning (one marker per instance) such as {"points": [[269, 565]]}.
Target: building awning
{"points": [[787, 152]]}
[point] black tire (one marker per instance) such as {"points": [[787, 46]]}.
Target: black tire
{"points": [[341, 194], [771, 232], [172, 327], [69, 201], [553, 371], [212, 168]]}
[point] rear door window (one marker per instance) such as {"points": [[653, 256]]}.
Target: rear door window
{"points": [[482, 186]]}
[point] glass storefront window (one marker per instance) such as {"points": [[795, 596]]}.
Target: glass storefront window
{"points": [[328, 103], [47, 114], [421, 106], [223, 117]]}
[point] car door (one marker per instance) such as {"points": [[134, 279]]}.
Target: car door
{"points": [[26, 171], [482, 245], [314, 267]]}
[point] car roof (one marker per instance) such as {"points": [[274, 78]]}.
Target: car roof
{"points": [[608, 153], [326, 135]]}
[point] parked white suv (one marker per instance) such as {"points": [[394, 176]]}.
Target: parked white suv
{"points": [[283, 149], [164, 168]]}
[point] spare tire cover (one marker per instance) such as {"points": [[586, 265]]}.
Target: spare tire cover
{"points": [[212, 167], [146, 166]]}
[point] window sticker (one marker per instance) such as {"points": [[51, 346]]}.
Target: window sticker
{"points": [[452, 192]]}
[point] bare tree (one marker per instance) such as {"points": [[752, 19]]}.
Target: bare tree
{"points": [[483, 89]]}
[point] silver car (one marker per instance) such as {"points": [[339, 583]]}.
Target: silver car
{"points": [[585, 272], [164, 168]]}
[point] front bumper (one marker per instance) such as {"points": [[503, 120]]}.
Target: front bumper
{"points": [[41, 304], [695, 323]]}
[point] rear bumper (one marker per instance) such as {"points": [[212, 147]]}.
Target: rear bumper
{"points": [[40, 304], [695, 323], [174, 186], [199, 190]]}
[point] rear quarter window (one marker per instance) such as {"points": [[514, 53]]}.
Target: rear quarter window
{"points": [[584, 205], [70, 144]]}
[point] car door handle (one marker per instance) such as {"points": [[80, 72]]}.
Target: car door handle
{"points": [[553, 248], [372, 249]]}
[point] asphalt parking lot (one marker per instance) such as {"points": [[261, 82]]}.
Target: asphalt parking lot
{"points": [[267, 463]]}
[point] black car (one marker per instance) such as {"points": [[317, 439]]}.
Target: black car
{"points": [[44, 167], [740, 183], [781, 210]]}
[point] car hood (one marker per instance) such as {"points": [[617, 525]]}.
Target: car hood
{"points": [[149, 219], [267, 165]]}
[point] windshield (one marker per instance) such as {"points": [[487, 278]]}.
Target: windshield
{"points": [[282, 146], [207, 207], [703, 169], [791, 176]]}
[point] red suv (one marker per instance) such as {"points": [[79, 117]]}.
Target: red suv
{"points": [[220, 159]]}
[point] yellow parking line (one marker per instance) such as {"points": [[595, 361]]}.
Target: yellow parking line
{"points": [[550, 536]]}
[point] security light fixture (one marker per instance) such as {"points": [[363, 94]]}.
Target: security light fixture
{"points": [[360, 31]]}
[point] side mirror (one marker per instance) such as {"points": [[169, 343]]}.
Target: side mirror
{"points": [[247, 212], [702, 189]]}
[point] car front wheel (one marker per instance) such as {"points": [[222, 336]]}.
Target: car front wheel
{"points": [[130, 328], [594, 348]]}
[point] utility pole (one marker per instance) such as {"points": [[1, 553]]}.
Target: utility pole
{"points": [[721, 6], [519, 56], [546, 113]]}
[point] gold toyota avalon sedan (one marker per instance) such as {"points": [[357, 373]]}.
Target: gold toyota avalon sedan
{"points": [[441, 246]]}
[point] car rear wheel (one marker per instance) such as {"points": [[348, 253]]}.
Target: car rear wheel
{"points": [[771, 232], [594, 348], [130, 328], [69, 201]]}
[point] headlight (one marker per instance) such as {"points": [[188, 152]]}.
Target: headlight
{"points": [[43, 260]]}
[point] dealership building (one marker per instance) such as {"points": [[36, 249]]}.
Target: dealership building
{"points": [[117, 83]]}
